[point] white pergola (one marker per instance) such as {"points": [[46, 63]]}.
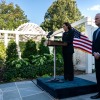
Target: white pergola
{"points": [[27, 30]]}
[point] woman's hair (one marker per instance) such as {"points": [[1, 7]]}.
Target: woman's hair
{"points": [[68, 24]]}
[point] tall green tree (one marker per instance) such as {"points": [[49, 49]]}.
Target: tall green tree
{"points": [[2, 54], [30, 49], [10, 71], [11, 16], [2, 51], [59, 12], [11, 51], [43, 49]]}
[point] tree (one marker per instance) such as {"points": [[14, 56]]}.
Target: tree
{"points": [[30, 49], [59, 12], [11, 51], [2, 54], [11, 16], [2, 51], [43, 49]]}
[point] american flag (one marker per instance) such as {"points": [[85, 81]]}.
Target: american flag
{"points": [[82, 42]]}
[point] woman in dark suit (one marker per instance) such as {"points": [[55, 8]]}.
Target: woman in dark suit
{"points": [[68, 51]]}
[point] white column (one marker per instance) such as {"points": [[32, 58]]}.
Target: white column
{"points": [[6, 39], [18, 48], [17, 39], [88, 32]]}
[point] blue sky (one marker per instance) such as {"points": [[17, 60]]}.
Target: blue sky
{"points": [[89, 7], [36, 9]]}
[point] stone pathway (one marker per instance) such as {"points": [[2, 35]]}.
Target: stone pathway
{"points": [[27, 90]]}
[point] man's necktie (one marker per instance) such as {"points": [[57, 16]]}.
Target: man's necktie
{"points": [[97, 33]]}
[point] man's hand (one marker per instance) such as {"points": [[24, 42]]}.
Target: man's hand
{"points": [[96, 55]]}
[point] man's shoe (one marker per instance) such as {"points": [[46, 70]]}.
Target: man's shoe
{"points": [[96, 96]]}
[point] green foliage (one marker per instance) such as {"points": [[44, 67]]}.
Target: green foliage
{"points": [[26, 70], [10, 74], [59, 50], [31, 65], [2, 53], [43, 49], [22, 46], [1, 64], [59, 12], [59, 64], [18, 68], [11, 54], [81, 27], [43, 64], [11, 51], [59, 60], [30, 49], [45, 76], [11, 16]]}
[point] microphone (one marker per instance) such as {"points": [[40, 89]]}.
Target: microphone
{"points": [[50, 33]]}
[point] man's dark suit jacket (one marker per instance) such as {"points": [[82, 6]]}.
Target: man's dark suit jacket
{"points": [[96, 42]]}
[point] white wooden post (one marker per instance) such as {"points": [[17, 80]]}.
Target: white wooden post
{"points": [[6, 39], [17, 42], [88, 32], [17, 39]]}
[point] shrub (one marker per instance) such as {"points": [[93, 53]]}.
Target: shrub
{"points": [[18, 68], [11, 55], [26, 70], [2, 51], [30, 49], [41, 65], [43, 49], [31, 65], [22, 46], [2, 58], [44, 64], [59, 64], [11, 51]]}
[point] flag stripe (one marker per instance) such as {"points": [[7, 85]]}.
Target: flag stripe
{"points": [[86, 39], [82, 42], [82, 48], [84, 36]]}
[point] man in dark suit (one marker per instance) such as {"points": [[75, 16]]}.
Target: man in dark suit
{"points": [[96, 53]]}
